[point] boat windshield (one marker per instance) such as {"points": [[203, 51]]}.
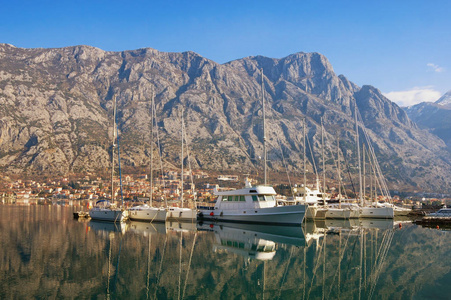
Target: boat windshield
{"points": [[234, 198], [263, 198]]}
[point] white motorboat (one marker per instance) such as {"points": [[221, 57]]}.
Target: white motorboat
{"points": [[441, 213], [252, 205]]}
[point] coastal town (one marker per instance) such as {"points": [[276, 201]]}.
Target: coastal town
{"points": [[198, 187]]}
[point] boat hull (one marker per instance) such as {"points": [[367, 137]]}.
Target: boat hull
{"points": [[376, 212], [282, 215], [104, 214], [322, 213], [181, 214], [150, 214]]}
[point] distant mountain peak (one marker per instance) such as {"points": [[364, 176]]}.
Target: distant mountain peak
{"points": [[445, 100]]}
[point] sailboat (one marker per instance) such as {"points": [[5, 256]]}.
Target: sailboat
{"points": [[105, 210], [253, 204], [338, 210], [370, 211], [181, 213], [147, 212]]}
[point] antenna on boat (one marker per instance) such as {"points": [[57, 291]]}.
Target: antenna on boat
{"points": [[264, 129]]}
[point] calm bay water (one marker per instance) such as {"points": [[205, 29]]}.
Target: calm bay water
{"points": [[47, 254]]}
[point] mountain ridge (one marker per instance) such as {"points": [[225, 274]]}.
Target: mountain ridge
{"points": [[57, 107]]}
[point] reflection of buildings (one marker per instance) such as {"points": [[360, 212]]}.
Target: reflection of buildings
{"points": [[253, 241]]}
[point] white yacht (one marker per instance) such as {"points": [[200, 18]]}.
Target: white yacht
{"points": [[181, 214], [252, 205], [147, 213], [376, 212], [105, 211]]}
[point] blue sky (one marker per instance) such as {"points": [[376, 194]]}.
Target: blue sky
{"points": [[401, 47]]}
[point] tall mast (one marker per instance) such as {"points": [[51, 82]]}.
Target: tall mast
{"points": [[113, 145], [181, 175], [264, 128], [358, 154], [151, 149], [305, 171], [338, 170], [364, 171], [324, 161]]}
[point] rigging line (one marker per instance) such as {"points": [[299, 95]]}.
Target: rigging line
{"points": [[336, 164], [160, 152], [120, 172], [117, 265], [313, 158], [189, 264], [279, 142], [180, 266], [148, 269], [387, 246], [189, 167], [304, 265], [315, 268], [349, 174], [161, 267], [284, 276], [109, 270], [340, 259], [385, 190]]}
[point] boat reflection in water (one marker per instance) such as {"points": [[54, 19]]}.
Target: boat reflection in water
{"points": [[146, 228], [253, 241], [104, 227]]}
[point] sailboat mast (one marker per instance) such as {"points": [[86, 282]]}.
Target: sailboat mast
{"points": [[305, 171], [112, 149], [358, 155], [338, 170], [264, 129], [364, 171], [324, 161], [151, 149], [181, 175]]}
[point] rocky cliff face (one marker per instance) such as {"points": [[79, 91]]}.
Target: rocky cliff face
{"points": [[435, 117], [56, 111]]}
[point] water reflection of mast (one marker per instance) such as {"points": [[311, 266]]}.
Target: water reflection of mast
{"points": [[161, 267], [109, 268], [148, 269], [189, 264]]}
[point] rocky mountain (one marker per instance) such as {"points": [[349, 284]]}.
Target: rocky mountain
{"points": [[445, 100], [435, 117], [56, 111]]}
